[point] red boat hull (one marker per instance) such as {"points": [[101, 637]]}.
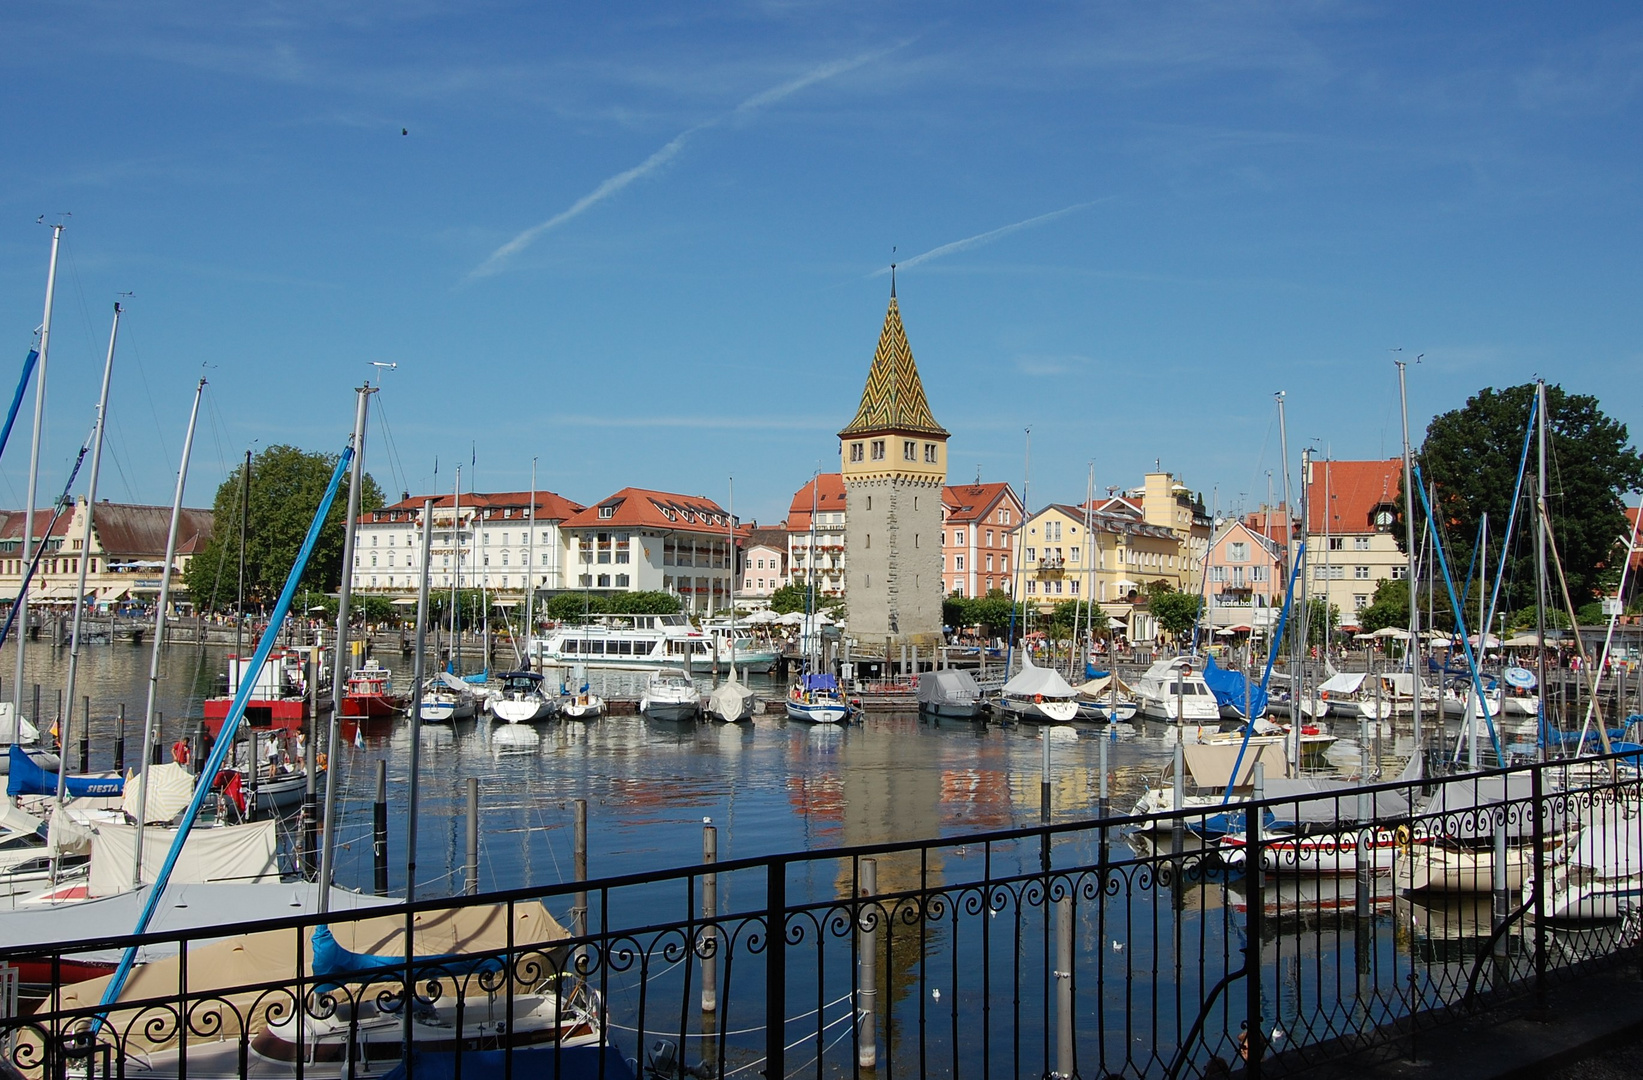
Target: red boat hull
{"points": [[267, 714], [372, 705]]}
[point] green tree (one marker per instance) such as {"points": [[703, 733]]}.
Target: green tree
{"points": [[286, 487], [1176, 612], [1471, 454], [570, 607], [788, 598], [642, 603], [955, 611], [1389, 607], [991, 612]]}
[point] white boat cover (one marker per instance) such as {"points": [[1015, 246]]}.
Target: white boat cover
{"points": [[1610, 840], [185, 906], [1345, 682], [250, 959], [1456, 809], [224, 854], [949, 686], [171, 787], [1031, 681], [1320, 800], [8, 726], [452, 682], [729, 699], [66, 836]]}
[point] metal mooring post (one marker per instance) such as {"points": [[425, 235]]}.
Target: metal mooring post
{"points": [[775, 969], [707, 942], [867, 970], [85, 734], [120, 741], [472, 872], [1254, 1041], [379, 828]]}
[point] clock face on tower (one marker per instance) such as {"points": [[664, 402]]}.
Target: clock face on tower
{"points": [[1383, 518]]}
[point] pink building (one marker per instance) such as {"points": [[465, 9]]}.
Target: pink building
{"points": [[1246, 578], [764, 566], [977, 521]]}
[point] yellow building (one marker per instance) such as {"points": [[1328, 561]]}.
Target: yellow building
{"points": [[1111, 560]]}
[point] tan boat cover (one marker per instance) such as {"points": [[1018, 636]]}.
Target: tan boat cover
{"points": [[229, 853], [214, 971], [171, 787], [1211, 763]]}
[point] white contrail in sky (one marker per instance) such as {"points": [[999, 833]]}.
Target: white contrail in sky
{"points": [[987, 237], [611, 185]]}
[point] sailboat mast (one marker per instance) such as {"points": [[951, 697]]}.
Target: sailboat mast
{"points": [[418, 673], [245, 513], [34, 480], [731, 537], [1413, 649], [1089, 565], [530, 571], [456, 571], [339, 681], [810, 598], [1020, 551], [84, 561], [1540, 557], [159, 639]]}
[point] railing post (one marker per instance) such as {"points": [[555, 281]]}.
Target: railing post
{"points": [[1537, 795], [471, 870], [867, 970], [379, 829], [1254, 1042], [775, 970], [1064, 984]]}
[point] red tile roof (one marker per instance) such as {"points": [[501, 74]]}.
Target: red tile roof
{"points": [[14, 519], [829, 498], [640, 508], [1352, 489], [972, 502], [549, 507], [1631, 519]]}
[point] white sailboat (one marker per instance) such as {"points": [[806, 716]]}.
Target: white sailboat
{"points": [[670, 695], [520, 699], [447, 699], [732, 701]]}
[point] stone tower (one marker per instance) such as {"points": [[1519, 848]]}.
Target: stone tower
{"points": [[894, 460]]}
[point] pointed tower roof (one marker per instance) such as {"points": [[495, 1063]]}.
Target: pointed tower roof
{"points": [[893, 399]]}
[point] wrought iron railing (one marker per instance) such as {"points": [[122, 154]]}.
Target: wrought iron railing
{"points": [[1085, 948]]}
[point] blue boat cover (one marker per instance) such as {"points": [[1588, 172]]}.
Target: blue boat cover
{"points": [[331, 958], [1228, 688], [538, 1063], [820, 681], [29, 778], [1091, 673]]}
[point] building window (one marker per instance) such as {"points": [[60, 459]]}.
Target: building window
{"points": [[586, 581], [607, 511], [1075, 560], [1032, 556], [1360, 601], [989, 570], [604, 581], [1400, 572], [868, 542], [1032, 588], [989, 544], [878, 449], [909, 450], [1003, 517], [958, 564], [1337, 543], [1257, 574], [1074, 590], [1360, 573], [856, 451], [930, 453], [958, 538], [1238, 552], [621, 581]]}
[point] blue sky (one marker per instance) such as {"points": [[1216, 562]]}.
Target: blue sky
{"points": [[644, 243]]}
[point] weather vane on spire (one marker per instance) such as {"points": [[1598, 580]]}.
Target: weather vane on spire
{"points": [[892, 271]]}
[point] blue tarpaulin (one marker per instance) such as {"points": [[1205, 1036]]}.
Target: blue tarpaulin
{"points": [[1229, 689], [28, 777], [331, 958], [820, 681]]}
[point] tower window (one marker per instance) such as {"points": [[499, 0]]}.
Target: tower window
{"points": [[856, 451], [878, 449], [909, 450], [930, 453]]}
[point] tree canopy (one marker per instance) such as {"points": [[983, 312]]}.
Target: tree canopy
{"points": [[286, 487], [574, 607], [1471, 454], [1176, 612]]}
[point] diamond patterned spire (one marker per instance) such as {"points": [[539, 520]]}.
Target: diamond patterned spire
{"points": [[893, 399]]}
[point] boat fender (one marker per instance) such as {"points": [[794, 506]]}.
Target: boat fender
{"points": [[1038, 699], [1403, 839]]}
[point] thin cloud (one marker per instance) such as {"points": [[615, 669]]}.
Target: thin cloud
{"points": [[498, 259], [714, 423], [987, 237]]}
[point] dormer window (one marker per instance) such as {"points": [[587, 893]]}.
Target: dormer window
{"points": [[607, 511]]}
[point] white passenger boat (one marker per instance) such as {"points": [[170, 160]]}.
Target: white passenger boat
{"points": [[520, 699], [670, 695], [1167, 681], [816, 698], [642, 642]]}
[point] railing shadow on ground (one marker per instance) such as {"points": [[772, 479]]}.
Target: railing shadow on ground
{"points": [[1085, 949]]}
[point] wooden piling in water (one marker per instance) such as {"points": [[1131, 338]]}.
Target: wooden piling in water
{"points": [[120, 741], [708, 941], [85, 734], [867, 969]]}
